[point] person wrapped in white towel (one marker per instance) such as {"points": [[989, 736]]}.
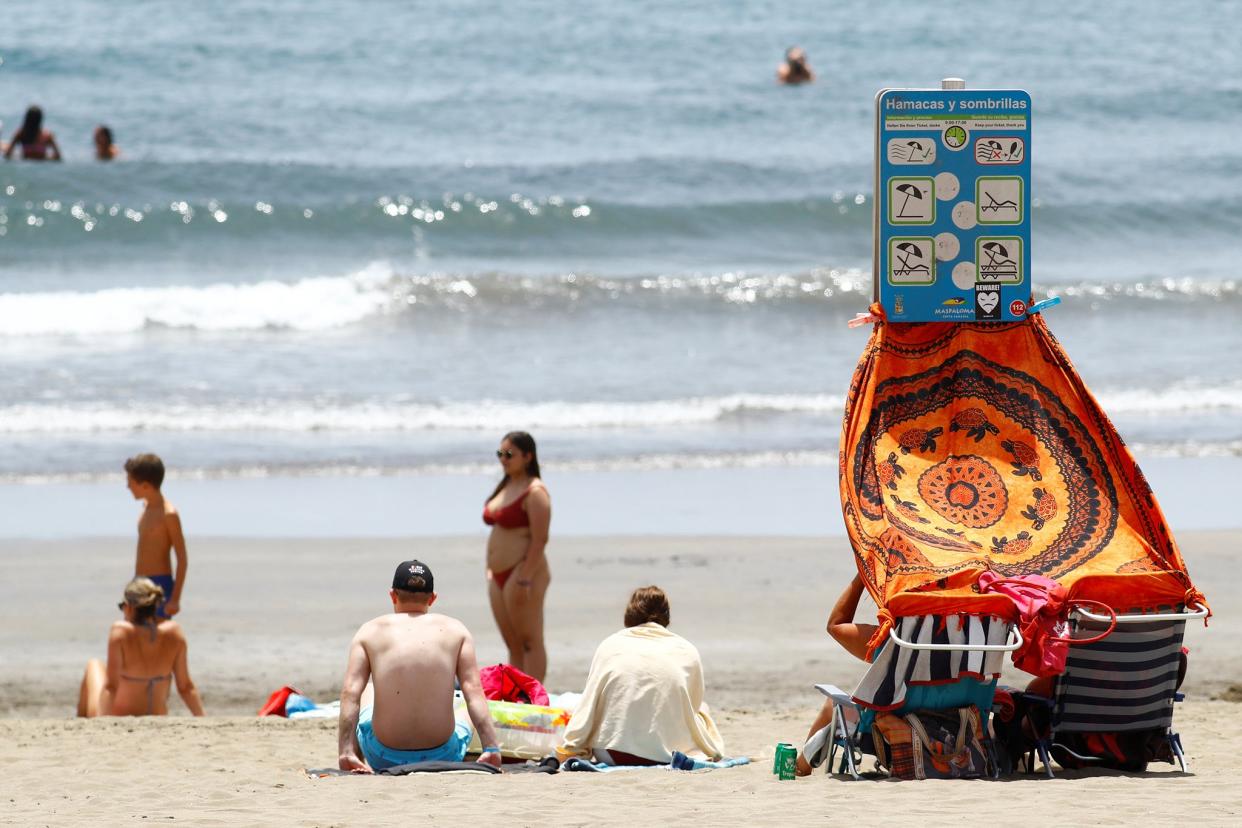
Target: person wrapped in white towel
{"points": [[644, 695]]}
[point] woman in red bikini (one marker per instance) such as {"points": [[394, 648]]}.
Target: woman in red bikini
{"points": [[36, 142], [519, 512]]}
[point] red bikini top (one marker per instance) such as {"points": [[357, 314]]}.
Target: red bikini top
{"points": [[509, 516]]}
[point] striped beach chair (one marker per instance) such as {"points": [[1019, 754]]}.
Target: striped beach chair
{"points": [[925, 656], [1113, 705]]}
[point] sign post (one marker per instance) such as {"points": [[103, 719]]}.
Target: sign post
{"points": [[953, 204]]}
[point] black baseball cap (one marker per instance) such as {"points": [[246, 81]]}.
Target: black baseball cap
{"points": [[413, 576]]}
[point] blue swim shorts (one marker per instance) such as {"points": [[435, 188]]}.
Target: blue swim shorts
{"points": [[380, 756], [166, 583]]}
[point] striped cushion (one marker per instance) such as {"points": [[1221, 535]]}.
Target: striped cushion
{"points": [[1124, 682], [884, 685]]}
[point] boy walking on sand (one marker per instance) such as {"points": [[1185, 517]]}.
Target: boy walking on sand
{"points": [[159, 532]]}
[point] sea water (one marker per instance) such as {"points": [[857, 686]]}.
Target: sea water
{"points": [[369, 239]]}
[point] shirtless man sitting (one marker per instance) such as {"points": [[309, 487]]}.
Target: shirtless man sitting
{"points": [[411, 657]]}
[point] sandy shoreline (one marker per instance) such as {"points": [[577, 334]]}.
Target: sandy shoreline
{"points": [[244, 771], [262, 613]]}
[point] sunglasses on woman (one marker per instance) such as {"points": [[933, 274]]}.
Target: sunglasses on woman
{"points": [[504, 454]]}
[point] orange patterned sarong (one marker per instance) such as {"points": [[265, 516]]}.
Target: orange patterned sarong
{"points": [[976, 446]]}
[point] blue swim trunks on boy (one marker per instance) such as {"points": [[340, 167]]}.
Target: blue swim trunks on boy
{"points": [[379, 756], [166, 583]]}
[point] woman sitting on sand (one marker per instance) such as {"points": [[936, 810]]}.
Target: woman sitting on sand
{"points": [[145, 655], [519, 512]]}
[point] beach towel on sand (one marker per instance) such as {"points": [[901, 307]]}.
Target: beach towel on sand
{"points": [[440, 767], [969, 447], [680, 762], [405, 770]]}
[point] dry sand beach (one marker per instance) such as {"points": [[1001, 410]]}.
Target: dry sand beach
{"points": [[262, 613]]}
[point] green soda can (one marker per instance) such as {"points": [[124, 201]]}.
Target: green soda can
{"points": [[788, 763], [776, 759]]}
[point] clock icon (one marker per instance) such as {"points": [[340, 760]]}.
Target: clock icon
{"points": [[955, 137]]}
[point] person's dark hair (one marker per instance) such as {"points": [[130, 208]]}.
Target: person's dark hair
{"points": [[648, 603], [32, 126], [146, 468], [107, 133], [526, 444]]}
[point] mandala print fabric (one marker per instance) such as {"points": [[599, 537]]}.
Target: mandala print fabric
{"points": [[969, 447]]}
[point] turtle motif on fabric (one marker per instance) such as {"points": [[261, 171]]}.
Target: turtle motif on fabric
{"points": [[1005, 546], [890, 471], [1042, 510], [907, 510], [1025, 460], [918, 439], [974, 422]]}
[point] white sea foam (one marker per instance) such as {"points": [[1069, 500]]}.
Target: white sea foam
{"points": [[483, 415], [612, 463], [311, 304], [1173, 399], [492, 415]]}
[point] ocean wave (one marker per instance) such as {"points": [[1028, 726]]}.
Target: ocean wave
{"points": [[689, 460], [457, 221], [482, 415], [610, 464], [386, 416], [1172, 399], [312, 304], [322, 303]]}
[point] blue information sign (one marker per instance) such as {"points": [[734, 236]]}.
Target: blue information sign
{"points": [[953, 204]]}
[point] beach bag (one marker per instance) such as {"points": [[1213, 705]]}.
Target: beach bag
{"points": [[934, 744], [275, 704], [504, 682], [1043, 619]]}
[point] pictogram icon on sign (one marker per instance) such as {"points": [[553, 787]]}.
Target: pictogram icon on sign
{"points": [[999, 259], [999, 150], [904, 151], [998, 199], [912, 261], [911, 200], [955, 137]]}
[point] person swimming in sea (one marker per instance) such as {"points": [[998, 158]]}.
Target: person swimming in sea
{"points": [[795, 70], [105, 148], [37, 143]]}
